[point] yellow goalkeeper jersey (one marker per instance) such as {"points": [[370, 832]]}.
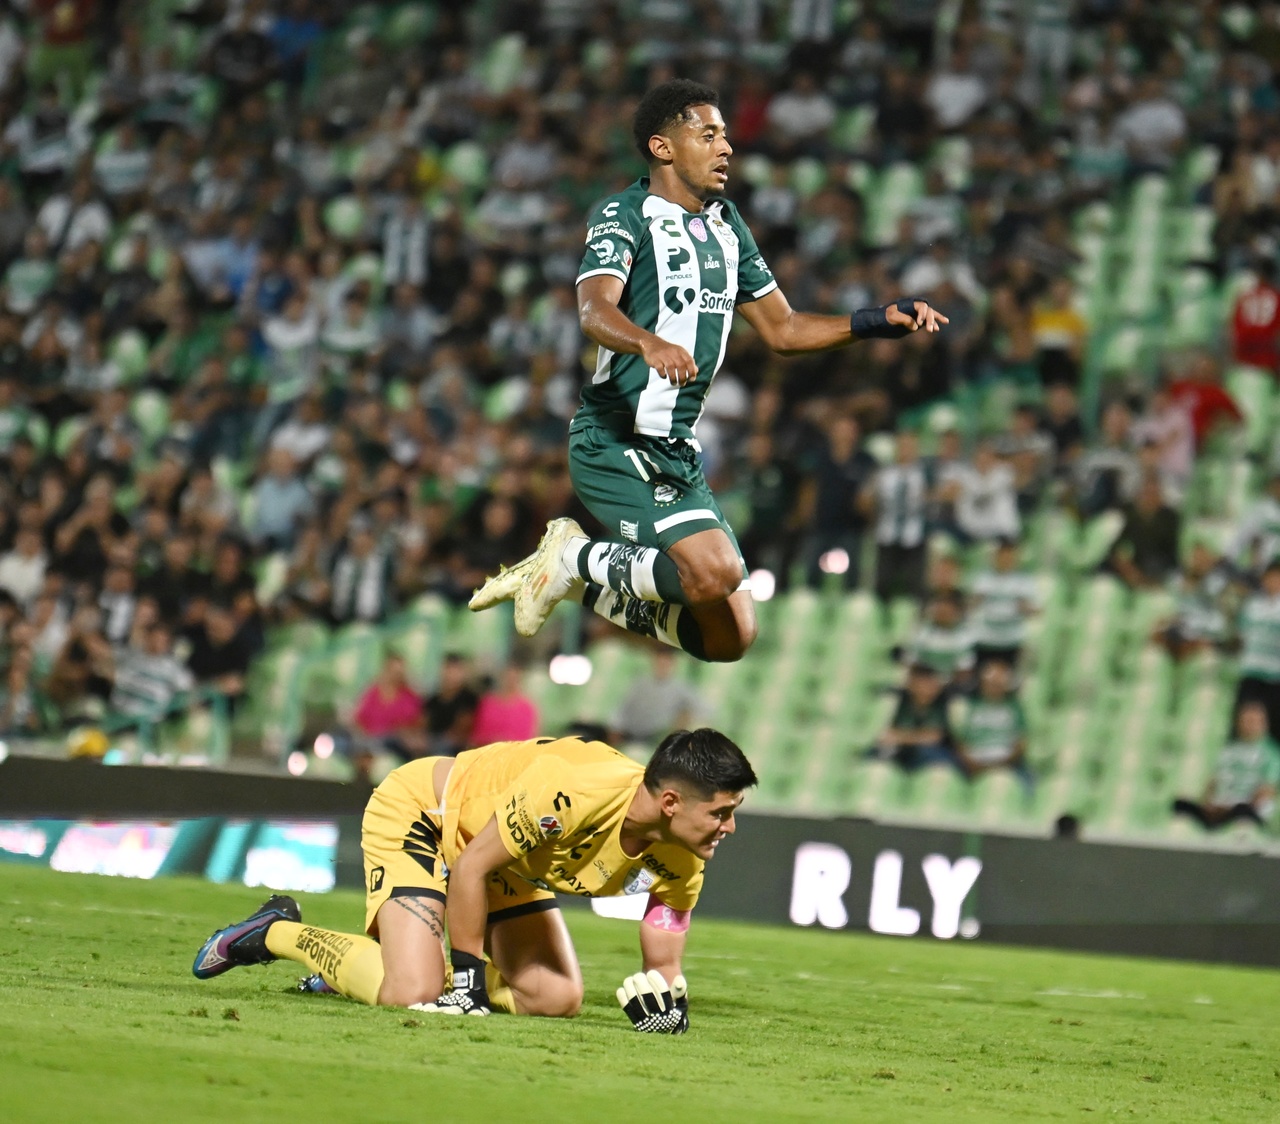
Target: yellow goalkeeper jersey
{"points": [[560, 806]]}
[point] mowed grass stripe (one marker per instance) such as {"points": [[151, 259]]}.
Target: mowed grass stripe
{"points": [[100, 1019]]}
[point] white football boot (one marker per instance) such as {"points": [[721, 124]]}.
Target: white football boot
{"points": [[547, 581], [503, 586]]}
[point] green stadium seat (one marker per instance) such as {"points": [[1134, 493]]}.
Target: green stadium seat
{"points": [[1254, 392]]}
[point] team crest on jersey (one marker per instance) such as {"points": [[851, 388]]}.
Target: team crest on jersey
{"points": [[698, 229], [550, 826], [665, 494], [638, 880]]}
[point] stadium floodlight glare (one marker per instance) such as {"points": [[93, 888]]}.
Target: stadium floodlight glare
{"points": [[297, 763], [834, 561], [570, 671], [763, 585], [323, 747]]}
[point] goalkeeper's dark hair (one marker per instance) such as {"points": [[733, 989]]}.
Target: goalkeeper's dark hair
{"points": [[665, 106], [703, 761]]}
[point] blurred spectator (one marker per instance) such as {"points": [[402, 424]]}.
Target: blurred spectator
{"points": [[1255, 542], [836, 496], [148, 682], [1107, 475], [280, 502], [919, 732], [1245, 778], [1059, 332], [1167, 425], [992, 731], [901, 493], [451, 708], [984, 497], [656, 704], [22, 568], [505, 713], [1201, 392], [1031, 453], [1259, 632], [1145, 556], [944, 640], [1002, 600], [1255, 323], [362, 587], [391, 712], [1153, 127], [768, 538], [799, 117], [1199, 621], [220, 651]]}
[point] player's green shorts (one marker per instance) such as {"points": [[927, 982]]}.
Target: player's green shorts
{"points": [[645, 490]]}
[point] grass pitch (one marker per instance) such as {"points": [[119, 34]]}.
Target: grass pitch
{"points": [[101, 1020]]}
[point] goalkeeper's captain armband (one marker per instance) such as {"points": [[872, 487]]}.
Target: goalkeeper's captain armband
{"points": [[873, 323]]}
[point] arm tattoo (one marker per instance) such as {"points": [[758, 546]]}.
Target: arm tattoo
{"points": [[424, 912]]}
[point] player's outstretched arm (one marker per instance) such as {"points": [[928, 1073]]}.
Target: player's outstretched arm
{"points": [[604, 323], [789, 332], [656, 999], [466, 914]]}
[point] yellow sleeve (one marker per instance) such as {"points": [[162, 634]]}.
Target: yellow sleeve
{"points": [[680, 893], [537, 808]]}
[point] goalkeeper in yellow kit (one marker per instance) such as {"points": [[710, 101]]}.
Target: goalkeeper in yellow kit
{"points": [[478, 846]]}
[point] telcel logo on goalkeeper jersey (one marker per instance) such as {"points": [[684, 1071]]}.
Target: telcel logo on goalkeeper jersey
{"points": [[824, 871]]}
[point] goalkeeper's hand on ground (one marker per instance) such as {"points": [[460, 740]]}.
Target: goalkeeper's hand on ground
{"points": [[467, 994], [652, 1006]]}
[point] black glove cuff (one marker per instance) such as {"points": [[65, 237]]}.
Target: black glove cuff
{"points": [[468, 971], [873, 323]]}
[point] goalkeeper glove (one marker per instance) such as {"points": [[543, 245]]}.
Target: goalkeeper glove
{"points": [[652, 1006], [467, 994]]}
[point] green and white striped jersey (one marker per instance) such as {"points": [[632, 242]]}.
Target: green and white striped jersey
{"points": [[684, 274], [1004, 600], [1244, 767], [1260, 638], [991, 729]]}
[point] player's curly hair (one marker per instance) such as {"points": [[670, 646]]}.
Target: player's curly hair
{"points": [[703, 761], [665, 106]]}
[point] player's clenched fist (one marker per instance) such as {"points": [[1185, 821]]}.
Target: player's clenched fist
{"points": [[652, 1006], [671, 361]]}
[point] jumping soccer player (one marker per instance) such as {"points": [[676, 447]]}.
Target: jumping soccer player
{"points": [[668, 262], [478, 843]]}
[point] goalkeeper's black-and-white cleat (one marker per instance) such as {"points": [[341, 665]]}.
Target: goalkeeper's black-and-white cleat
{"points": [[548, 580], [245, 942], [654, 1007]]}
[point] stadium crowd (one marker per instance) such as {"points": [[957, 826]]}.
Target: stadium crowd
{"points": [[288, 327]]}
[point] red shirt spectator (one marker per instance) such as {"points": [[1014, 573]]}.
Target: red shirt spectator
{"points": [[1201, 394], [505, 715], [389, 705], [1255, 326]]}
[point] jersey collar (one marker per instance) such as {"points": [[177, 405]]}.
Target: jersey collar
{"points": [[655, 205]]}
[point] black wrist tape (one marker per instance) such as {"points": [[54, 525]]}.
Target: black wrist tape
{"points": [[873, 323], [468, 970]]}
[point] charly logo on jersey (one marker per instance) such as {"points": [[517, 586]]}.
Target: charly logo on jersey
{"points": [[550, 827], [638, 880], [665, 494], [698, 229]]}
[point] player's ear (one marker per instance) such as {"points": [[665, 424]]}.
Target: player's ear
{"points": [[669, 800], [660, 148]]}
